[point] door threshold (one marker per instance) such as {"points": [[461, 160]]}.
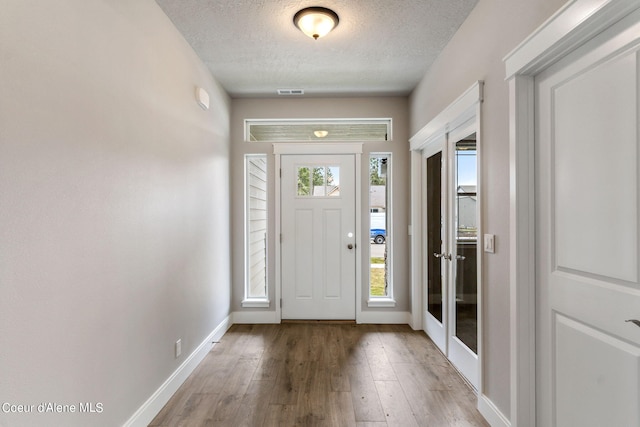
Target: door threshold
{"points": [[325, 322]]}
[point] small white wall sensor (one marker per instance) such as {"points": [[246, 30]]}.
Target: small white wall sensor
{"points": [[203, 98]]}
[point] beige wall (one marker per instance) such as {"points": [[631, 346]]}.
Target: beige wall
{"points": [[114, 193], [291, 108], [492, 30]]}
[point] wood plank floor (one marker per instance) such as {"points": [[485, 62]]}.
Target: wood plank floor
{"points": [[317, 374]]}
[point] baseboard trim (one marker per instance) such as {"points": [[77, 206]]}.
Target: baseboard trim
{"points": [[148, 411], [373, 317], [491, 413], [384, 317]]}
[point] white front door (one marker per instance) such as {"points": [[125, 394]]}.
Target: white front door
{"points": [[318, 236], [588, 212]]}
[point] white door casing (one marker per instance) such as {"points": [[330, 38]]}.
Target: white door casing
{"points": [[318, 241], [570, 28], [588, 357]]}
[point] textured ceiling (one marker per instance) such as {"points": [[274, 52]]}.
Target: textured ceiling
{"points": [[380, 47]]}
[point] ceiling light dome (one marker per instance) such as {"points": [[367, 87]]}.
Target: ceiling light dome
{"points": [[316, 22]]}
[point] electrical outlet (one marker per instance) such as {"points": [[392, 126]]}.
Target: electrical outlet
{"points": [[178, 348]]}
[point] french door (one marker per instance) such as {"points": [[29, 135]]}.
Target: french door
{"points": [[451, 249]]}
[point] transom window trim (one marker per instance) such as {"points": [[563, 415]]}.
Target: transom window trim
{"points": [[318, 130]]}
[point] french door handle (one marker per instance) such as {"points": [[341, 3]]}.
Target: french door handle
{"points": [[460, 257], [445, 256], [634, 321]]}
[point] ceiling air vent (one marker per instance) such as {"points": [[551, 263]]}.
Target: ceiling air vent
{"points": [[290, 92]]}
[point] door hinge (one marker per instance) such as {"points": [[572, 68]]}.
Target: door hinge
{"points": [[280, 172], [280, 302], [280, 237]]}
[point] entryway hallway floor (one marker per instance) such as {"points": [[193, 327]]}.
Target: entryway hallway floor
{"points": [[323, 374]]}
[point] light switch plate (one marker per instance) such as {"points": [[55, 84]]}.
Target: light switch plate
{"points": [[489, 243]]}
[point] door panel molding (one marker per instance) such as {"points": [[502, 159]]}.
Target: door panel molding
{"points": [[586, 177], [584, 356], [572, 26]]}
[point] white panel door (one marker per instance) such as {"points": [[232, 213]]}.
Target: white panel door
{"points": [[318, 236], [587, 157]]}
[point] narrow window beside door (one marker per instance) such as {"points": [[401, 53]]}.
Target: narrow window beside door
{"points": [[256, 292], [380, 283]]}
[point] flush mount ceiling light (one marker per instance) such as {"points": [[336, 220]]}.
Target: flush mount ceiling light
{"points": [[320, 133], [316, 21]]}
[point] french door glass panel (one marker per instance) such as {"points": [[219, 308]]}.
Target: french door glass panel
{"points": [[466, 244], [434, 236]]}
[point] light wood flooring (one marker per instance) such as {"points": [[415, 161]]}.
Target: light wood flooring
{"points": [[318, 374]]}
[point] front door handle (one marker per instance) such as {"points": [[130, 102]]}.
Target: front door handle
{"points": [[634, 321], [350, 246], [445, 256]]}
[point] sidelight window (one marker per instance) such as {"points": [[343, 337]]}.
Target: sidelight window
{"points": [[256, 215], [380, 232]]}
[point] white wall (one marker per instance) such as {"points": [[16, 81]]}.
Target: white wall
{"points": [[491, 31], [114, 195], [291, 108]]}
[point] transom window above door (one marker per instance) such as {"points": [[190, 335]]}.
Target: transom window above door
{"points": [[317, 130]]}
